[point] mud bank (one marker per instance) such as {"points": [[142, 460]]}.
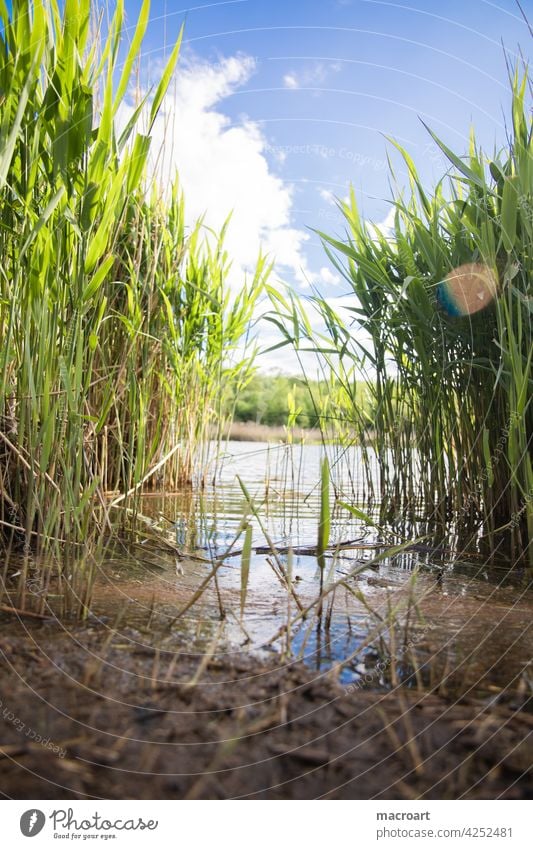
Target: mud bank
{"points": [[88, 712]]}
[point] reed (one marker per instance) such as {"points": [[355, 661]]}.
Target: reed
{"points": [[451, 392], [119, 327]]}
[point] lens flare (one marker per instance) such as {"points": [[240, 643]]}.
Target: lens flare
{"points": [[467, 289]]}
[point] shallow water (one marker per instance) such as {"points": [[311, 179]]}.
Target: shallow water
{"points": [[461, 621]]}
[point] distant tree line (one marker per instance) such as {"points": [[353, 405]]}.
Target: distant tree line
{"points": [[272, 399]]}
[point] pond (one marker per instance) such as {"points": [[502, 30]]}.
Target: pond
{"points": [[424, 614]]}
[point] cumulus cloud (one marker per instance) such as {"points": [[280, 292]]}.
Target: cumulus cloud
{"points": [[224, 168]]}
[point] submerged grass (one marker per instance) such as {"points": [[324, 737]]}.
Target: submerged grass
{"points": [[451, 394], [118, 325]]}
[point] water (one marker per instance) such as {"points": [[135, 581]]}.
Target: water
{"points": [[459, 619]]}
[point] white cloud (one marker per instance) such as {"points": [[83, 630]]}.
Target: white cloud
{"points": [[385, 227], [328, 196], [316, 74], [328, 277], [223, 167], [290, 81]]}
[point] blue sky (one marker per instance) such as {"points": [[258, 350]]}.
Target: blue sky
{"points": [[281, 105]]}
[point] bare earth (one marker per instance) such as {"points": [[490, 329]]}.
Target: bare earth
{"points": [[126, 723]]}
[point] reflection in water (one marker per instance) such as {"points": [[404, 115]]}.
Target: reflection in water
{"points": [[452, 625]]}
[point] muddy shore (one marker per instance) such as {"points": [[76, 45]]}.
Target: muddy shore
{"points": [[89, 712]]}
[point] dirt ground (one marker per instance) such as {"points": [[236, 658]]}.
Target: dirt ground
{"points": [[89, 713]]}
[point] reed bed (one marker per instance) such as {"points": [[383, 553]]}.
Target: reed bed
{"points": [[452, 415], [119, 328]]}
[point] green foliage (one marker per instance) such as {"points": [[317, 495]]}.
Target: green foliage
{"points": [[453, 418], [325, 514], [118, 328], [273, 399]]}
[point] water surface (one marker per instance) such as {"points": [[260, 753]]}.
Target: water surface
{"points": [[457, 617]]}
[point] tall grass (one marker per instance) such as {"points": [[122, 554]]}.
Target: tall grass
{"points": [[118, 325], [452, 395]]}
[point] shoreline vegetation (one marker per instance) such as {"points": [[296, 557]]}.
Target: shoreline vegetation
{"points": [[118, 324], [121, 358], [452, 386], [291, 408], [120, 329]]}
